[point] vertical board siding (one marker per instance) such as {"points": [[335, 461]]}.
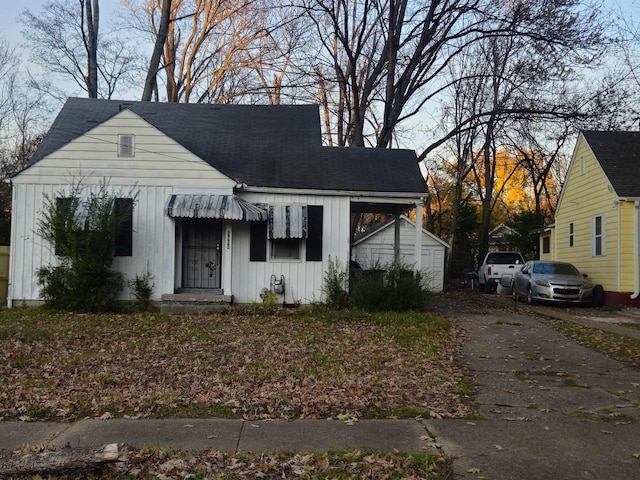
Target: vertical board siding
{"points": [[585, 196], [156, 255], [149, 222], [303, 280]]}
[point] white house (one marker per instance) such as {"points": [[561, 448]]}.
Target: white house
{"points": [[231, 198], [376, 248]]}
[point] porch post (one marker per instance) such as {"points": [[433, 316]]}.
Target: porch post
{"points": [[227, 242], [418, 246]]}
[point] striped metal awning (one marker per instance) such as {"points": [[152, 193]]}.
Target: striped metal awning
{"points": [[228, 207]]}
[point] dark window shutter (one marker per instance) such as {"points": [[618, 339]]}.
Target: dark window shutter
{"points": [[258, 242], [123, 210], [314, 237]]}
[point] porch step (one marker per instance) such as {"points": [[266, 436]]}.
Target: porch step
{"points": [[174, 303]]}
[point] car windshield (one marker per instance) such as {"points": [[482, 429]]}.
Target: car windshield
{"points": [[504, 258], [555, 269]]}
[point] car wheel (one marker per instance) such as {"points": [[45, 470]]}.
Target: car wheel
{"points": [[530, 299], [514, 293], [598, 296]]}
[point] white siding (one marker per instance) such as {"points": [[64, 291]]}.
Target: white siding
{"points": [[153, 241], [159, 168], [155, 246], [377, 251], [93, 157], [303, 280]]}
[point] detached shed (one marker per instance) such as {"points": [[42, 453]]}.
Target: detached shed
{"points": [[375, 248]]}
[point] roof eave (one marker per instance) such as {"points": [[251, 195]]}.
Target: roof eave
{"points": [[342, 193]]}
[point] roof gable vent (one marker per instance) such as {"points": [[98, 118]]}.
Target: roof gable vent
{"points": [[126, 146]]}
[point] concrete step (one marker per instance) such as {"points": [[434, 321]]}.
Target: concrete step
{"points": [[175, 303]]}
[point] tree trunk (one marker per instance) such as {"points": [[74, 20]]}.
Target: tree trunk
{"points": [[68, 458], [92, 13], [154, 63]]}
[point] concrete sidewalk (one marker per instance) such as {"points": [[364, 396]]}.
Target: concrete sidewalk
{"points": [[220, 434]]}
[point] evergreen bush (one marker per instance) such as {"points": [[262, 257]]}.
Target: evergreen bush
{"points": [[82, 279]]}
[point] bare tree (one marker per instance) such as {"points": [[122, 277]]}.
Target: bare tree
{"points": [[90, 39], [22, 120], [390, 56], [206, 53], [154, 63], [65, 41], [524, 69]]}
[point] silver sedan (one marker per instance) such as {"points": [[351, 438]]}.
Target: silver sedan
{"points": [[540, 280]]}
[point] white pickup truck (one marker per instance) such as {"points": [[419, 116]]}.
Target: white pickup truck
{"points": [[497, 265]]}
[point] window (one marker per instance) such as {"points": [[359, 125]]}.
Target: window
{"points": [[126, 146], [287, 230], [285, 249], [546, 244], [76, 210], [571, 234], [598, 243], [287, 227]]}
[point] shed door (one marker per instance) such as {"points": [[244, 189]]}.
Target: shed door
{"points": [[201, 253]]}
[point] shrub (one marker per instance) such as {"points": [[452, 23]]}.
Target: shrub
{"points": [[335, 288], [142, 287], [82, 278], [397, 289]]}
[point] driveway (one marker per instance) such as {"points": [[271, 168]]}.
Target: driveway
{"points": [[548, 407]]}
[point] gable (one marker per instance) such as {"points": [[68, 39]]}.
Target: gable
{"points": [[618, 154], [586, 184], [270, 146], [153, 159], [381, 231]]}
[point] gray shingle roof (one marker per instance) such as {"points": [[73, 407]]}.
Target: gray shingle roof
{"points": [[260, 145], [619, 155]]}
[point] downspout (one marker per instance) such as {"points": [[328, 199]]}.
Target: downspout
{"points": [[636, 251], [12, 241]]}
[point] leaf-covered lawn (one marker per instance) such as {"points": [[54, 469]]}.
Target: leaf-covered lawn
{"points": [[240, 363], [339, 464], [323, 465], [622, 348]]}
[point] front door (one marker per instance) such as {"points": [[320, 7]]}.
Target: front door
{"points": [[201, 253]]}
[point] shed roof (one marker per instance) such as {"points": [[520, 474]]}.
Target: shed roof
{"points": [[619, 156], [275, 146]]}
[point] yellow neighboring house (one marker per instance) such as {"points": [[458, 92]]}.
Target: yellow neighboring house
{"points": [[598, 215]]}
